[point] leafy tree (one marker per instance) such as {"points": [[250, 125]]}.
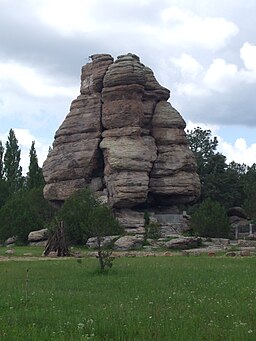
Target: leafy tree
{"points": [[219, 181], [102, 223], [4, 192], [35, 175], [210, 220], [249, 189], [24, 212], [75, 213], [203, 146], [85, 217], [235, 174], [12, 168]]}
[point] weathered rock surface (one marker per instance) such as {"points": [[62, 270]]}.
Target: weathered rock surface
{"points": [[237, 212], [129, 242], [183, 243], [107, 242], [39, 235], [10, 240], [123, 139]]}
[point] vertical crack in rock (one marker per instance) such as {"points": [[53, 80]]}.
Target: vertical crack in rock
{"points": [[122, 127]]}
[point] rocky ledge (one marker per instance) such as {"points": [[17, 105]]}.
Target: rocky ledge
{"points": [[123, 139]]}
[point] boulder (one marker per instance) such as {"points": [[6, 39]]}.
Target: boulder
{"points": [[10, 240], [10, 252], [37, 236], [129, 243], [183, 243], [237, 212], [245, 253], [106, 242]]}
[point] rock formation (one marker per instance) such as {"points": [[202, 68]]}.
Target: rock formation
{"points": [[123, 140]]}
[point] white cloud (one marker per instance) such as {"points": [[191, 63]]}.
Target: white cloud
{"points": [[68, 17], [239, 152], [248, 55], [188, 65], [212, 127], [30, 81], [184, 27], [25, 139], [190, 89], [220, 75]]}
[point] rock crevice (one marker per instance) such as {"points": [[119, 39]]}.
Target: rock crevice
{"points": [[122, 139]]}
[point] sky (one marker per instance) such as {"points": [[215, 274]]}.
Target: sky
{"points": [[204, 51]]}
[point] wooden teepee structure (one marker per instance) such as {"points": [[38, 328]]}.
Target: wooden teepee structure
{"points": [[57, 242]]}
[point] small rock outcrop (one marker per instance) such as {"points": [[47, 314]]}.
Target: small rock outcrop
{"points": [[123, 140]]}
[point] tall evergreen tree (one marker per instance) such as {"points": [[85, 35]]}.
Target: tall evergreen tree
{"points": [[12, 168], [35, 175], [1, 160]]}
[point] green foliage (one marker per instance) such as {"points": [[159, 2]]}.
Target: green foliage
{"points": [[202, 145], [210, 220], [35, 175], [84, 217], [219, 181], [4, 192], [24, 212], [12, 168], [1, 160], [146, 218], [249, 188], [152, 231], [75, 214]]}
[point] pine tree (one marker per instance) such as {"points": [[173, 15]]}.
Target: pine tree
{"points": [[12, 168], [1, 160], [35, 174]]}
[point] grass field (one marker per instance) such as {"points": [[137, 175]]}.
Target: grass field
{"points": [[150, 298]]}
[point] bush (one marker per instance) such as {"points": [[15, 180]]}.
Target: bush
{"points": [[85, 217], [210, 220], [24, 212], [152, 231]]}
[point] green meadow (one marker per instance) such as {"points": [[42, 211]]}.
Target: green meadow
{"points": [[142, 298]]}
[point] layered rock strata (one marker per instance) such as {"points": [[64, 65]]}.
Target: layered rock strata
{"points": [[122, 139]]}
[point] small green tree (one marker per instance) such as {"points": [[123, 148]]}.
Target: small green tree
{"points": [[210, 220], [103, 223], [75, 214], [35, 175], [85, 217], [12, 168]]}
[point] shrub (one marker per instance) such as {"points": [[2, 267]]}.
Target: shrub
{"points": [[210, 220], [24, 212], [85, 217]]}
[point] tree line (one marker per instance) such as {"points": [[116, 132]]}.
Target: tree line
{"points": [[223, 185], [24, 209], [22, 205]]}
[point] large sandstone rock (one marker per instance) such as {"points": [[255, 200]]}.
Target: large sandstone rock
{"points": [[123, 140]]}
